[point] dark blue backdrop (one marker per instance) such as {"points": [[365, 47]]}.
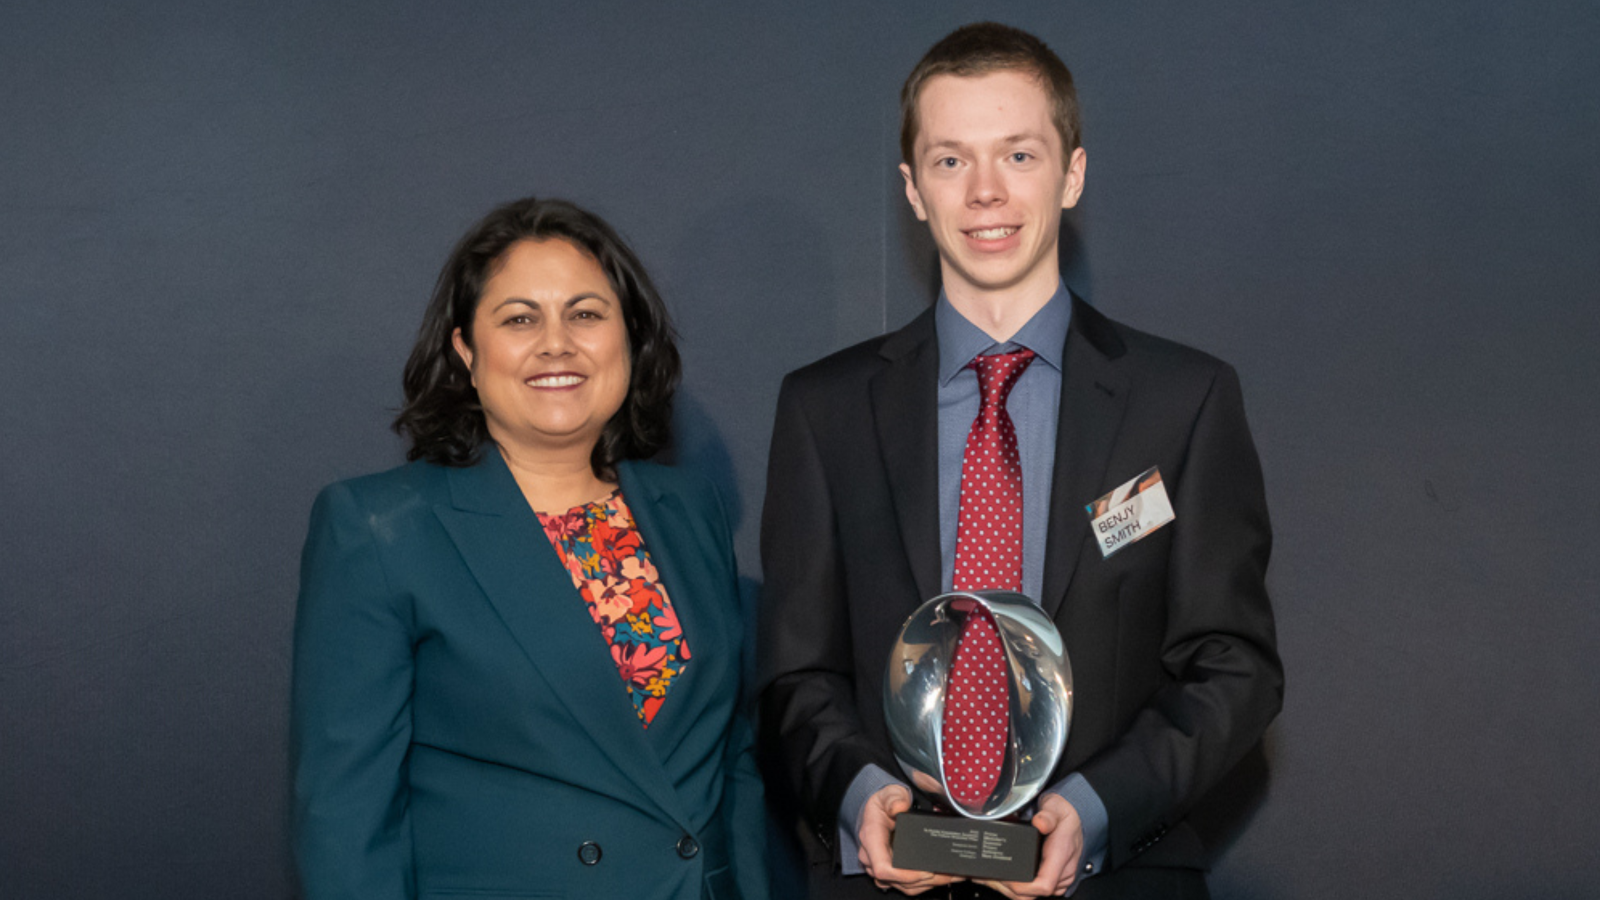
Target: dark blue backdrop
{"points": [[219, 224]]}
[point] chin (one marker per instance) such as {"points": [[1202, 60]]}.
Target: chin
{"points": [[995, 281]]}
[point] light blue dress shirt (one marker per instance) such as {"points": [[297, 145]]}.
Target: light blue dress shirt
{"points": [[1034, 406]]}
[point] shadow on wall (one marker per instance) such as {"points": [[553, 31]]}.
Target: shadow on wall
{"points": [[1073, 254], [698, 445], [911, 271]]}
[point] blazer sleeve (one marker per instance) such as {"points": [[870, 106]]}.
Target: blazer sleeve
{"points": [[350, 714], [744, 806], [1221, 681], [810, 725], [746, 813]]}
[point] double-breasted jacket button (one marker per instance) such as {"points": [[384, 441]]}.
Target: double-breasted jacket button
{"points": [[688, 847], [589, 853]]}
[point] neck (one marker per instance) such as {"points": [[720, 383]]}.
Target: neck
{"points": [[1001, 312], [554, 482]]}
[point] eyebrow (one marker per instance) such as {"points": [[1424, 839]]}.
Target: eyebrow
{"points": [[568, 304], [1018, 138]]}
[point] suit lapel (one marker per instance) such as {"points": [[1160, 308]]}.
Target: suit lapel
{"points": [[505, 547], [905, 406], [1094, 396]]}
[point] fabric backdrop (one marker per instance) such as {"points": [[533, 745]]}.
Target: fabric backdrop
{"points": [[219, 224]]}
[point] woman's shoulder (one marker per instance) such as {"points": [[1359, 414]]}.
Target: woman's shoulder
{"points": [[415, 485], [657, 479]]}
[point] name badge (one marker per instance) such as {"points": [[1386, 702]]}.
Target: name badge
{"points": [[1130, 513]]}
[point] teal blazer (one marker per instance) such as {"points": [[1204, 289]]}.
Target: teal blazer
{"points": [[459, 728]]}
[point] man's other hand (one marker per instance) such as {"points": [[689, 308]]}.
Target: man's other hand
{"points": [[1058, 862], [873, 836]]}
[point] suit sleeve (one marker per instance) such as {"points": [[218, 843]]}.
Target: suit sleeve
{"points": [[809, 722], [1221, 679], [351, 713]]}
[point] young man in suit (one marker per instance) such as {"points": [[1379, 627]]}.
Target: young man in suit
{"points": [[879, 473]]}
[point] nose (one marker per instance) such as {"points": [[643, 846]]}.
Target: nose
{"points": [[554, 340], [987, 187]]}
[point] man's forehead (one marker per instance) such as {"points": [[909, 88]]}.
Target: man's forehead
{"points": [[1005, 106], [1022, 81]]}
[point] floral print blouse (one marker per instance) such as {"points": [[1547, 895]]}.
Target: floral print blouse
{"points": [[605, 554]]}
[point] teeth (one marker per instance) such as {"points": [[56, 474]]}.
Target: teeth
{"points": [[555, 380], [993, 234]]}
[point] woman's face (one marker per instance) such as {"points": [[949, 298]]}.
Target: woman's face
{"points": [[549, 352]]}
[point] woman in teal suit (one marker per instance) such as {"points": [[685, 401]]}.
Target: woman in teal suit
{"points": [[517, 658]]}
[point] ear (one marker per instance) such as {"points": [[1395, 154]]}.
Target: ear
{"points": [[912, 196], [465, 352], [1074, 187]]}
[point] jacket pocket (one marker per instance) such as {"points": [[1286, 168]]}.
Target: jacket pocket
{"points": [[719, 885]]}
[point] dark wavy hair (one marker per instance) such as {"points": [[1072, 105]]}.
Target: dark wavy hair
{"points": [[442, 415]]}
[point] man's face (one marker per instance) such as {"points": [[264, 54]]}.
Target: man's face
{"points": [[990, 183]]}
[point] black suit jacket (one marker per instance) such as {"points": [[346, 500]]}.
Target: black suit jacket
{"points": [[1171, 640]]}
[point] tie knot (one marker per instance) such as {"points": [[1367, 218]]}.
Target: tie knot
{"points": [[998, 374]]}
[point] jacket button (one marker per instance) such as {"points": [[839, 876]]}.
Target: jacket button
{"points": [[688, 847], [589, 853]]}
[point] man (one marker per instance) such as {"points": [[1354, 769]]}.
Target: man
{"points": [[885, 455]]}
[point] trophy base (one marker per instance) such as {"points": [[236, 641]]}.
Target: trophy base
{"points": [[971, 848]]}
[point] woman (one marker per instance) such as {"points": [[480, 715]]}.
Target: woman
{"points": [[516, 668]]}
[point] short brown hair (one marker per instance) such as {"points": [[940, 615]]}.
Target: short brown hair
{"points": [[984, 47]]}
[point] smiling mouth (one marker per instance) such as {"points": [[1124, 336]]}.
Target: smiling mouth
{"points": [[994, 234], [563, 379]]}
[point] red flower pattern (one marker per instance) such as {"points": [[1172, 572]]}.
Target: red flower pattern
{"points": [[603, 551], [638, 663]]}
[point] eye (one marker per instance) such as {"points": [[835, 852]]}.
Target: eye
{"points": [[587, 314], [520, 319], [1021, 156], [946, 162]]}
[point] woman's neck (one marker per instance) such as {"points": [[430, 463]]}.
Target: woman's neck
{"points": [[555, 483]]}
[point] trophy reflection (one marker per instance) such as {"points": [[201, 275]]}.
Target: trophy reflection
{"points": [[978, 700]]}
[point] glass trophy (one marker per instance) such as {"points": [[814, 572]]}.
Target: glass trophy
{"points": [[955, 832]]}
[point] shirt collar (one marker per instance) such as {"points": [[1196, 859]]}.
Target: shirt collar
{"points": [[960, 340]]}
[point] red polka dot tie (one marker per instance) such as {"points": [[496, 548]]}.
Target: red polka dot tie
{"points": [[977, 712]]}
